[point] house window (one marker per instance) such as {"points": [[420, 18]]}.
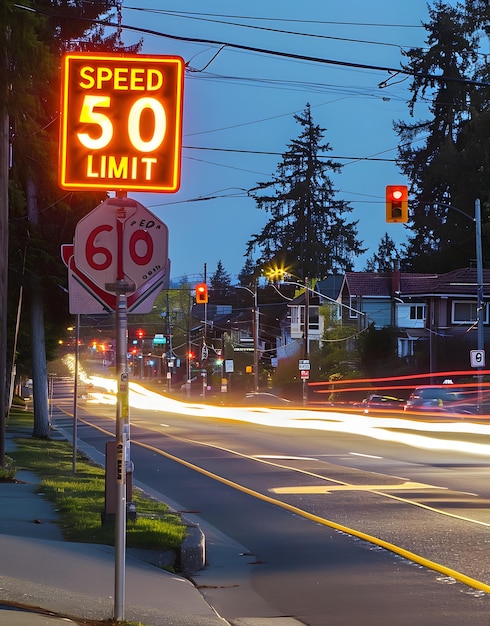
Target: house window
{"points": [[314, 319], [464, 312], [353, 306], [405, 347], [417, 311]]}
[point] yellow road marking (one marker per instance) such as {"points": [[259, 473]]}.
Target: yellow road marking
{"points": [[411, 556], [312, 489]]}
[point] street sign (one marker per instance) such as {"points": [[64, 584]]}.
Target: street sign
{"points": [[121, 122], [305, 374], [304, 364], [121, 240], [477, 358]]}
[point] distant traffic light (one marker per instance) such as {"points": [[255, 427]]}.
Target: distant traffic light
{"points": [[201, 293], [397, 203]]}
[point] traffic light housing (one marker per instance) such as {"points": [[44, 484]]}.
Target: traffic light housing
{"points": [[397, 203], [201, 293]]}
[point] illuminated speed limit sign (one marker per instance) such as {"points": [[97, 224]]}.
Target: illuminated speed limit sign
{"points": [[121, 122]]}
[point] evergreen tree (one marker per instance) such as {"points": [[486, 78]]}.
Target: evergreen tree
{"points": [[382, 260], [307, 232], [220, 280], [246, 276], [438, 154], [41, 215]]}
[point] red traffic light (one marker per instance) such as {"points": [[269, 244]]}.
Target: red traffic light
{"points": [[397, 203], [201, 293]]}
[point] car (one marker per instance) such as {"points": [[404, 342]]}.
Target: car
{"points": [[265, 399], [442, 399], [377, 402]]}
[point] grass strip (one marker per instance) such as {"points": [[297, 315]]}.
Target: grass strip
{"points": [[79, 498]]}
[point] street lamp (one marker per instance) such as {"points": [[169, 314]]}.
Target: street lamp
{"points": [[255, 331], [479, 281]]}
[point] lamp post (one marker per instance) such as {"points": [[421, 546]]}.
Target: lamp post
{"points": [[255, 331], [479, 281]]}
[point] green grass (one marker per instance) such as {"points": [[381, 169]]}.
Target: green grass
{"points": [[79, 498]]}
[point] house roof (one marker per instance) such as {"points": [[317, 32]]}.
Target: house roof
{"points": [[330, 286], [384, 283], [458, 282]]}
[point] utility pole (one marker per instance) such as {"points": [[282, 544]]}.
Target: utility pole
{"points": [[4, 214], [306, 337], [479, 304], [256, 326]]}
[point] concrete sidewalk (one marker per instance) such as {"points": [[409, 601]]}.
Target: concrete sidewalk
{"points": [[41, 571]]}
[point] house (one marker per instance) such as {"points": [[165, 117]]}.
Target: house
{"points": [[434, 317], [439, 310], [293, 340]]}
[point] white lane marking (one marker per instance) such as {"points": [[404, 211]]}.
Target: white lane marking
{"points": [[368, 456], [281, 457]]}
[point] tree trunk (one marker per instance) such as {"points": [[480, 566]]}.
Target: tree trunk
{"points": [[38, 345], [39, 368], [4, 214]]}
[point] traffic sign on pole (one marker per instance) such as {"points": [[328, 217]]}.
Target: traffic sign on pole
{"points": [[120, 240], [477, 358], [121, 122]]}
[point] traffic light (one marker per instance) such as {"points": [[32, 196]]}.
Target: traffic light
{"points": [[397, 203], [201, 293]]}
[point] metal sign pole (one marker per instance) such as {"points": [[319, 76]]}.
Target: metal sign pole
{"points": [[122, 443], [75, 395]]}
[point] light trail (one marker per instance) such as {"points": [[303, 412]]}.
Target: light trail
{"points": [[387, 429], [144, 398]]}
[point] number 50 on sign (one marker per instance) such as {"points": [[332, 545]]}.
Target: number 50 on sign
{"points": [[121, 123]]}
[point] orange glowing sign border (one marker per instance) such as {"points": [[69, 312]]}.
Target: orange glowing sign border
{"points": [[121, 122]]}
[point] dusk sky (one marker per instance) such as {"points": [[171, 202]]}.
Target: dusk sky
{"points": [[239, 107]]}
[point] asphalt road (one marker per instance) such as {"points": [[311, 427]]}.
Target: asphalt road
{"points": [[274, 501]]}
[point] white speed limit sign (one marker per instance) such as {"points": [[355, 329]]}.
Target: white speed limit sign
{"points": [[477, 358], [121, 241]]}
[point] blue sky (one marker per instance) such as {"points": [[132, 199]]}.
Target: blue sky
{"points": [[239, 106]]}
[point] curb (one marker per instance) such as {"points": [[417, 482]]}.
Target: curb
{"points": [[193, 550], [192, 554]]}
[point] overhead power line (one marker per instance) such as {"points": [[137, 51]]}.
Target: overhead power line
{"points": [[266, 152], [273, 19], [265, 51], [202, 17]]}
